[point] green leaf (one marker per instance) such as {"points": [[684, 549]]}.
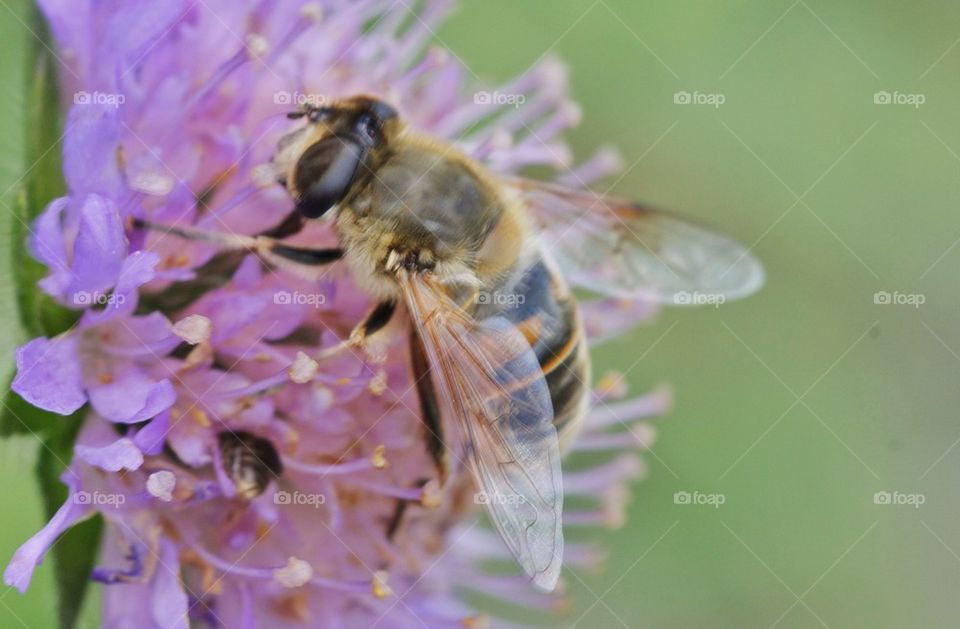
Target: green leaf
{"points": [[75, 552], [39, 314], [19, 416]]}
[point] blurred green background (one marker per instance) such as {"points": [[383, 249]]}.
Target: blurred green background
{"points": [[796, 405]]}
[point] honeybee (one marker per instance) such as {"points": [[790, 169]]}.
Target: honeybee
{"points": [[251, 462], [483, 266]]}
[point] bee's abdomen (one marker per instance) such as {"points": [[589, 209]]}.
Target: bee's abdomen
{"points": [[250, 461], [543, 309]]}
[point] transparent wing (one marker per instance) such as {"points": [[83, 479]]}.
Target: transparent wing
{"points": [[619, 248], [489, 379]]}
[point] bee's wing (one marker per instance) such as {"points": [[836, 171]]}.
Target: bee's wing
{"points": [[489, 379], [621, 249]]}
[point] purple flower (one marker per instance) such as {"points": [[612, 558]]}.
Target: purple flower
{"points": [[174, 109]]}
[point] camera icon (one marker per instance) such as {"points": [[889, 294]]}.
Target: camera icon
{"points": [[882, 498], [82, 498], [882, 298], [82, 298], [484, 298], [282, 498], [682, 298], [283, 298], [882, 98], [82, 98], [682, 98], [481, 498], [282, 98], [482, 98], [681, 498]]}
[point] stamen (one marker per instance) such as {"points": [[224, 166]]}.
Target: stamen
{"points": [[161, 485], [638, 435], [652, 404], [350, 467], [379, 586], [193, 329], [605, 162], [303, 369], [428, 495], [296, 573]]}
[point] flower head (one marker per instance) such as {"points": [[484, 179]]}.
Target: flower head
{"points": [[242, 480]]}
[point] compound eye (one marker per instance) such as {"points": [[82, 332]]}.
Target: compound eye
{"points": [[325, 174], [369, 126]]}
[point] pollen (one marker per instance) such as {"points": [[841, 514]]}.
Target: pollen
{"points": [[303, 369], [378, 384], [257, 45], [477, 621], [380, 588], [193, 329], [200, 417], [379, 458], [431, 495], [297, 572], [106, 378], [611, 383], [161, 485]]}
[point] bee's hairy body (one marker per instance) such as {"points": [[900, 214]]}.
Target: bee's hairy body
{"points": [[249, 461], [430, 207], [407, 201]]}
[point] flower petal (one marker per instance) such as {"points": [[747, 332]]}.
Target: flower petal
{"points": [[169, 605], [90, 151], [47, 245], [132, 397], [99, 250], [20, 569], [135, 271], [150, 438], [119, 455], [49, 374]]}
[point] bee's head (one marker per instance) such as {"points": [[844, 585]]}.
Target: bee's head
{"points": [[338, 150]]}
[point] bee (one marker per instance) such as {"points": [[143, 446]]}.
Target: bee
{"points": [[484, 266], [251, 462]]}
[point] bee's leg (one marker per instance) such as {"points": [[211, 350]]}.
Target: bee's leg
{"points": [[429, 407], [270, 249], [292, 223], [396, 519], [433, 429], [374, 321]]}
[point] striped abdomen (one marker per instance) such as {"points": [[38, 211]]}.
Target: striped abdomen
{"points": [[539, 303]]}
